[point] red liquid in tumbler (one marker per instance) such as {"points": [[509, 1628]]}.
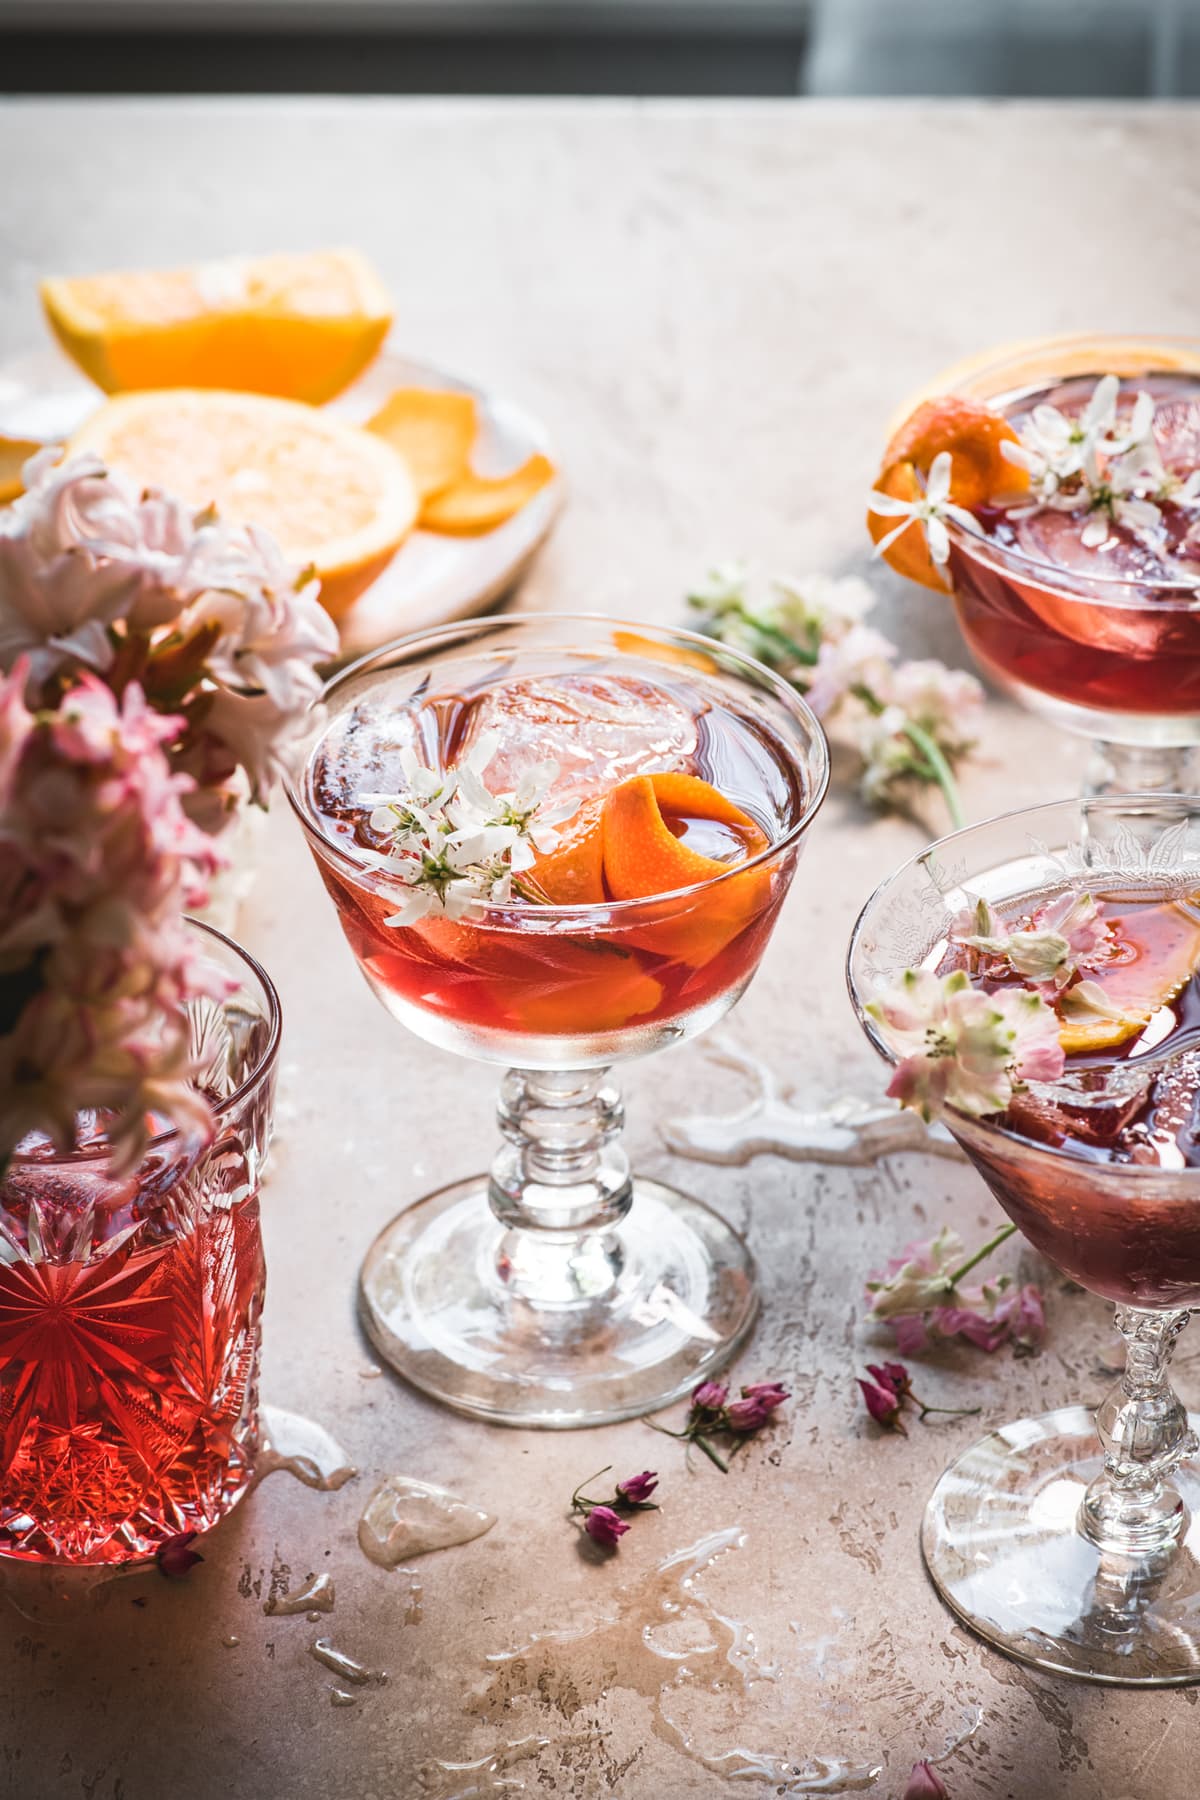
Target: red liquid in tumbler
{"points": [[1087, 625], [520, 973]]}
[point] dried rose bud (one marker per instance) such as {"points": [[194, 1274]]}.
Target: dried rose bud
{"points": [[893, 1375], [176, 1556], [883, 1404], [710, 1396], [769, 1394], [637, 1489], [925, 1783], [604, 1526], [746, 1415]]}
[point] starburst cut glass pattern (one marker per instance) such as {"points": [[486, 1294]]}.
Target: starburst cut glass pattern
{"points": [[130, 1311]]}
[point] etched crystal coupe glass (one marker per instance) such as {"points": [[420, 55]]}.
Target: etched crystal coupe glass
{"points": [[1092, 621], [560, 1290], [1069, 1542], [131, 1304]]}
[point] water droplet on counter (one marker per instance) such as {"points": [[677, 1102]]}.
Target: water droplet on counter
{"points": [[339, 1697], [819, 1775], [314, 1598], [346, 1667], [231, 1642], [486, 1774], [405, 1517], [851, 1131], [302, 1447], [664, 1637], [371, 1372]]}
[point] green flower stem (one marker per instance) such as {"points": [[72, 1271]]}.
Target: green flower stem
{"points": [[939, 769], [993, 1243], [702, 1443]]}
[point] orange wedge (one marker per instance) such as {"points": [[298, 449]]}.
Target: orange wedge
{"points": [[478, 503], [973, 434], [299, 326], [644, 856], [331, 494], [1160, 954], [14, 454], [572, 874], [433, 430]]}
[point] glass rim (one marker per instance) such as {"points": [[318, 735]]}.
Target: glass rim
{"points": [[986, 1125], [100, 1152], [509, 915], [1082, 340]]}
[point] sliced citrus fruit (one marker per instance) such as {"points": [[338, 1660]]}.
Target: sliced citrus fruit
{"points": [[591, 987], [299, 326], [972, 433], [331, 494], [14, 454], [478, 503], [1159, 952], [433, 430], [572, 874], [646, 821]]}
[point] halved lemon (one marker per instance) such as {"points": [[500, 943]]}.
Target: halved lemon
{"points": [[299, 326], [332, 495]]}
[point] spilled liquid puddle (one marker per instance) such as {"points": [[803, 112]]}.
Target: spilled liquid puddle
{"points": [[848, 1131], [405, 1517], [317, 1596], [659, 1636], [302, 1448]]}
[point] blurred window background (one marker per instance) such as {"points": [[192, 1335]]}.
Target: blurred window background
{"points": [[1078, 48]]}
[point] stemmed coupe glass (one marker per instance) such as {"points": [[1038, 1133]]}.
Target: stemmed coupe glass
{"points": [[1072, 1543], [560, 1290]]}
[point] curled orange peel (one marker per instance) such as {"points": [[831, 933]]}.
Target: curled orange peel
{"points": [[973, 434]]}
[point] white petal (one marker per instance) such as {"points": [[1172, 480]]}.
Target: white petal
{"points": [[937, 486], [889, 507], [938, 540]]}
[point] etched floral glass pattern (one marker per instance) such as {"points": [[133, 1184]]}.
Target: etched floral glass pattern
{"points": [[130, 1307]]}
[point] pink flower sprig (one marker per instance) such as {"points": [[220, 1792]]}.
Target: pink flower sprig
{"points": [[607, 1521], [889, 1389], [921, 1295], [911, 722], [957, 1046], [712, 1414], [1060, 940]]}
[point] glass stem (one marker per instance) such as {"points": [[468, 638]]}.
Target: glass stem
{"points": [[1142, 768], [1132, 1508], [560, 1185]]}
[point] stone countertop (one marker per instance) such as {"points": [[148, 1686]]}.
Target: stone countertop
{"points": [[715, 308]]}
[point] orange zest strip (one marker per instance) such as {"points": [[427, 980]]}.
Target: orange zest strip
{"points": [[433, 430], [973, 434], [572, 874], [478, 503], [643, 857], [14, 454]]}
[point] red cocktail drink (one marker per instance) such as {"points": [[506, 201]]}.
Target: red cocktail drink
{"points": [[554, 844]]}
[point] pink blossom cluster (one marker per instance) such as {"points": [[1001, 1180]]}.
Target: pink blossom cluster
{"points": [[161, 668], [919, 1295], [210, 620], [98, 861]]}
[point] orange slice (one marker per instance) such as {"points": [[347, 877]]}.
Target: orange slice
{"points": [[478, 503], [14, 454], [433, 430], [973, 434], [331, 494], [299, 326], [1161, 953], [594, 988], [644, 856], [572, 874]]}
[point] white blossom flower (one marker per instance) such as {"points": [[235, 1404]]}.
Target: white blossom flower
{"points": [[960, 1047], [452, 842], [944, 702], [930, 510], [1062, 938]]}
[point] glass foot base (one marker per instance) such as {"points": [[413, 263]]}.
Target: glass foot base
{"points": [[638, 1315], [1001, 1544]]}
